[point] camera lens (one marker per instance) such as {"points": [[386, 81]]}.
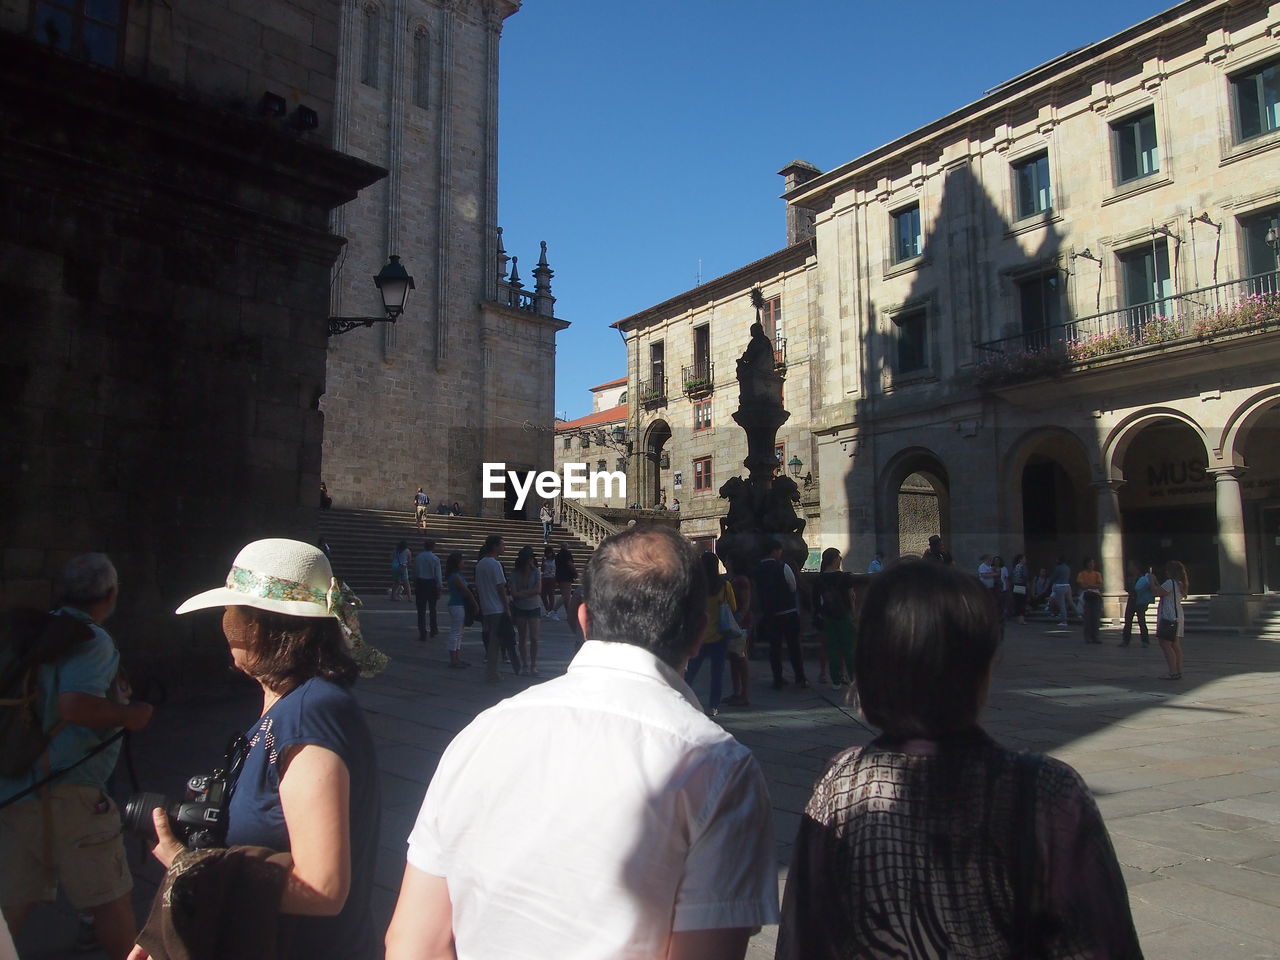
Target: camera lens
{"points": [[137, 812]]}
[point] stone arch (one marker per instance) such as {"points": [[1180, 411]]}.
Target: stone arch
{"points": [[1230, 451], [1051, 511], [1118, 440], [656, 437], [901, 522]]}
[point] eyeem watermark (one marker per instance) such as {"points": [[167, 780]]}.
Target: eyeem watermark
{"points": [[578, 483]]}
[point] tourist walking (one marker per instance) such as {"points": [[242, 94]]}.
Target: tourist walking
{"points": [[400, 558], [1061, 597], [420, 503], [775, 586], [1138, 596], [1089, 580], [1041, 589], [549, 581], [526, 607], [937, 551], [834, 602], [933, 840], [713, 641], [566, 576], [877, 562], [738, 649], [461, 599], [548, 519], [427, 578], [1019, 587], [1171, 621], [495, 604]]}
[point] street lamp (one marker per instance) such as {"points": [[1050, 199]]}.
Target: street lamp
{"points": [[795, 465], [1273, 239], [393, 283]]}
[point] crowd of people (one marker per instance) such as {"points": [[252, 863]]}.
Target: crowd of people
{"points": [[602, 812]]}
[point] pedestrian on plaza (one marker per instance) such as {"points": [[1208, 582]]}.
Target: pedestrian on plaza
{"points": [[566, 576], [1139, 595], [420, 503], [548, 520], [526, 607], [495, 604], [933, 840], [326, 501], [68, 834], [400, 558], [1171, 621], [1018, 587], [1041, 589], [738, 649], [427, 578], [987, 573], [775, 585], [549, 582], [599, 814], [937, 551], [713, 642], [1061, 597], [461, 599], [877, 562], [1089, 580], [308, 787], [1003, 586], [834, 601]]}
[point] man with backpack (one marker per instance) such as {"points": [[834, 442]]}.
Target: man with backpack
{"points": [[68, 830]]}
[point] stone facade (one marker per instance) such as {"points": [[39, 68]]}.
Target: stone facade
{"points": [[467, 373], [165, 277], [590, 440], [1096, 227]]}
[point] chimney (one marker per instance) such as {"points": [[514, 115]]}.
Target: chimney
{"points": [[799, 220]]}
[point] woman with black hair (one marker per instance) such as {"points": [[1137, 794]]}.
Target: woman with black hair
{"points": [[933, 840]]}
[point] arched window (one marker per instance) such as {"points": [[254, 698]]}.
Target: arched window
{"points": [[372, 46], [421, 69]]}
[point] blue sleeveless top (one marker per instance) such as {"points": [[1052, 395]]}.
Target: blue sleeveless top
{"points": [[322, 713]]}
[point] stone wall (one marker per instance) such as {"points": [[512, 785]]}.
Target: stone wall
{"points": [[164, 270]]}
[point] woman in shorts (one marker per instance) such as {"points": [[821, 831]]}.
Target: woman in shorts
{"points": [[526, 607]]}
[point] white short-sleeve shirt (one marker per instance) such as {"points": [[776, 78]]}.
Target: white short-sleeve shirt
{"points": [[592, 815]]}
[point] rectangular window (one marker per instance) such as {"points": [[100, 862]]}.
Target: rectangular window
{"points": [[702, 347], [657, 362], [1145, 275], [702, 415], [372, 46], [771, 317], [568, 442], [906, 233], [1040, 299], [1031, 182], [702, 474], [601, 466], [584, 441], [88, 29], [780, 454], [911, 341], [1137, 154], [1258, 255], [1256, 95], [421, 69]]}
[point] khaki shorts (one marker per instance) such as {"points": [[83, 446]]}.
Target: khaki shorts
{"points": [[87, 849]]}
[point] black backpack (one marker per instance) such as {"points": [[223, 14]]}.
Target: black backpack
{"points": [[28, 640]]}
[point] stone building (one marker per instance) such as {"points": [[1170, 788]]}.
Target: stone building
{"points": [[1058, 306], [165, 191], [455, 381], [598, 440], [682, 379]]}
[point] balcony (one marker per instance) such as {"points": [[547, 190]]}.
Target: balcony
{"points": [[652, 392], [698, 379], [1226, 309], [780, 353]]}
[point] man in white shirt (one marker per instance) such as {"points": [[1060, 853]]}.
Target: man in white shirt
{"points": [[601, 814], [491, 586]]}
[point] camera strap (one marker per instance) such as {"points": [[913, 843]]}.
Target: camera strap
{"points": [[46, 780]]}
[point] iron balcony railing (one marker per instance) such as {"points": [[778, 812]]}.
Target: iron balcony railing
{"points": [[699, 378], [779, 353], [653, 390], [1204, 312]]}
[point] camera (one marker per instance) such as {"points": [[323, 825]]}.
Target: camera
{"points": [[199, 821]]}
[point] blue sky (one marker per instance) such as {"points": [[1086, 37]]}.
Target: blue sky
{"points": [[639, 139]]}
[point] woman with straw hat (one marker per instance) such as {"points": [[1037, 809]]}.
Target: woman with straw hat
{"points": [[309, 784]]}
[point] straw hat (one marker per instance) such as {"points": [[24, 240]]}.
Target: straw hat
{"points": [[293, 578]]}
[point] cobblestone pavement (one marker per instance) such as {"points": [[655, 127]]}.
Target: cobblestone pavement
{"points": [[1187, 774]]}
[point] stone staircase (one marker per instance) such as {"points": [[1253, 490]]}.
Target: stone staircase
{"points": [[362, 542], [1267, 623]]}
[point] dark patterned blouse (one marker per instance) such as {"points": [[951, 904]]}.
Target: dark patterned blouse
{"points": [[953, 848]]}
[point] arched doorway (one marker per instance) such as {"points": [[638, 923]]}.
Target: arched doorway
{"points": [[1058, 514], [1256, 443], [916, 501], [652, 481], [1167, 504]]}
